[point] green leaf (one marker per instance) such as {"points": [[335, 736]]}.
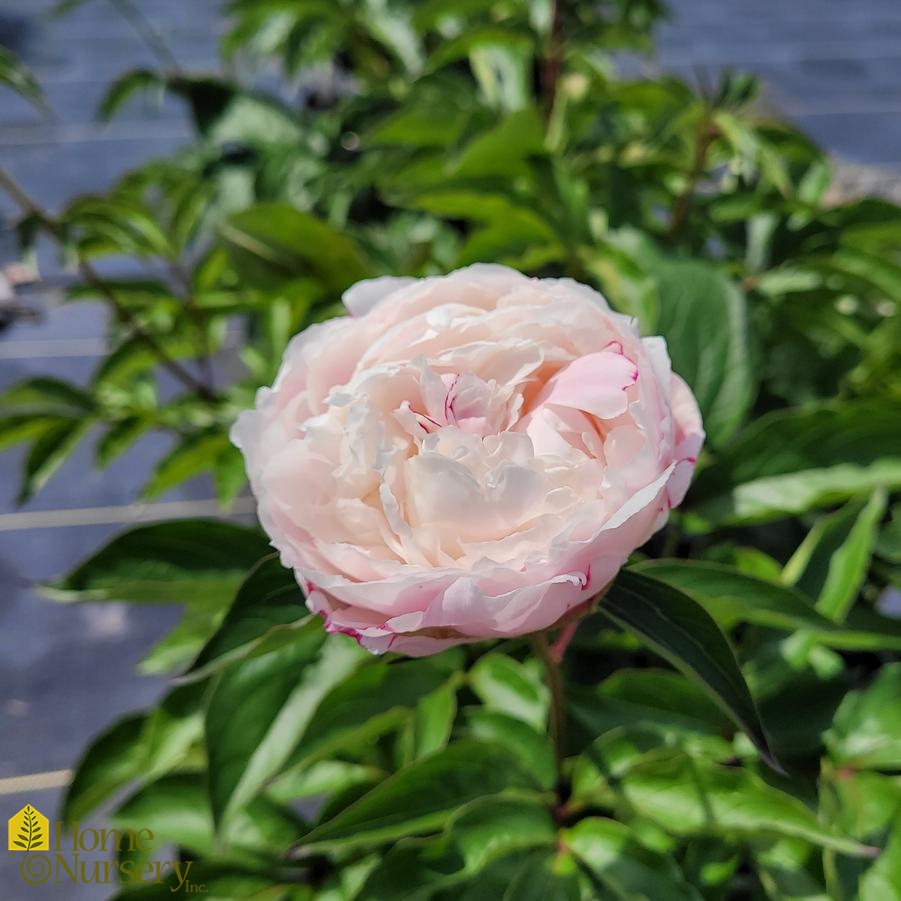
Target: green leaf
{"points": [[229, 474], [545, 876], [598, 769], [189, 458], [791, 461], [532, 748], [883, 879], [866, 732], [221, 882], [262, 706], [482, 833], [176, 809], [172, 729], [703, 317], [376, 698], [138, 747], [269, 599], [113, 760], [275, 242], [688, 797], [681, 631], [433, 721], [888, 546], [16, 75], [832, 562], [609, 851], [192, 561], [662, 699], [870, 804], [515, 688], [784, 868], [503, 70], [731, 597], [504, 148], [425, 125], [125, 87], [24, 427], [418, 799], [49, 452], [119, 437], [49, 395], [179, 648]]}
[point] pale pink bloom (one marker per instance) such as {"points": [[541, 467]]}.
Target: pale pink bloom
{"points": [[466, 457]]}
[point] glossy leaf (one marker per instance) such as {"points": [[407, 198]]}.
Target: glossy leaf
{"points": [[376, 699], [269, 599], [418, 799], [684, 633], [791, 461], [285, 243], [113, 760], [611, 854], [515, 688], [188, 561], [545, 876], [832, 561], [532, 748], [732, 597], [688, 798], [49, 451], [866, 732], [16, 75], [703, 317], [482, 833], [259, 709]]}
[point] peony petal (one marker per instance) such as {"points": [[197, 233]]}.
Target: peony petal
{"points": [[364, 296], [595, 384]]}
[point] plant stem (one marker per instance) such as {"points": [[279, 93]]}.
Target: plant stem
{"points": [[557, 712], [704, 138], [148, 32], [567, 633], [553, 61], [183, 284], [95, 280]]}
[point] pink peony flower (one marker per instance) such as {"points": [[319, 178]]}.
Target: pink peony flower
{"points": [[466, 457]]}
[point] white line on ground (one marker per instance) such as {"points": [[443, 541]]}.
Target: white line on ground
{"points": [[35, 782], [97, 516], [63, 347]]}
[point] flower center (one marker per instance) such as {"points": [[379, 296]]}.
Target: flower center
{"points": [[462, 400]]}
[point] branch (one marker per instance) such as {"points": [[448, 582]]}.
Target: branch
{"points": [[553, 61], [95, 280], [148, 32], [705, 136], [557, 712]]}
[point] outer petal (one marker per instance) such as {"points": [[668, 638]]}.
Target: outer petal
{"points": [[364, 296], [689, 438]]}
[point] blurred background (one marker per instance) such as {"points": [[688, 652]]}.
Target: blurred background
{"points": [[831, 67]]}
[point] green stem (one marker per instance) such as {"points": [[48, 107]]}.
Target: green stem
{"points": [[553, 61], [557, 712], [704, 138]]}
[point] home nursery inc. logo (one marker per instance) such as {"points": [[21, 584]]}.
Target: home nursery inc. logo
{"points": [[69, 857]]}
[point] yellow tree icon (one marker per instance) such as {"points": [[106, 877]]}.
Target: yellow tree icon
{"points": [[29, 831]]}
